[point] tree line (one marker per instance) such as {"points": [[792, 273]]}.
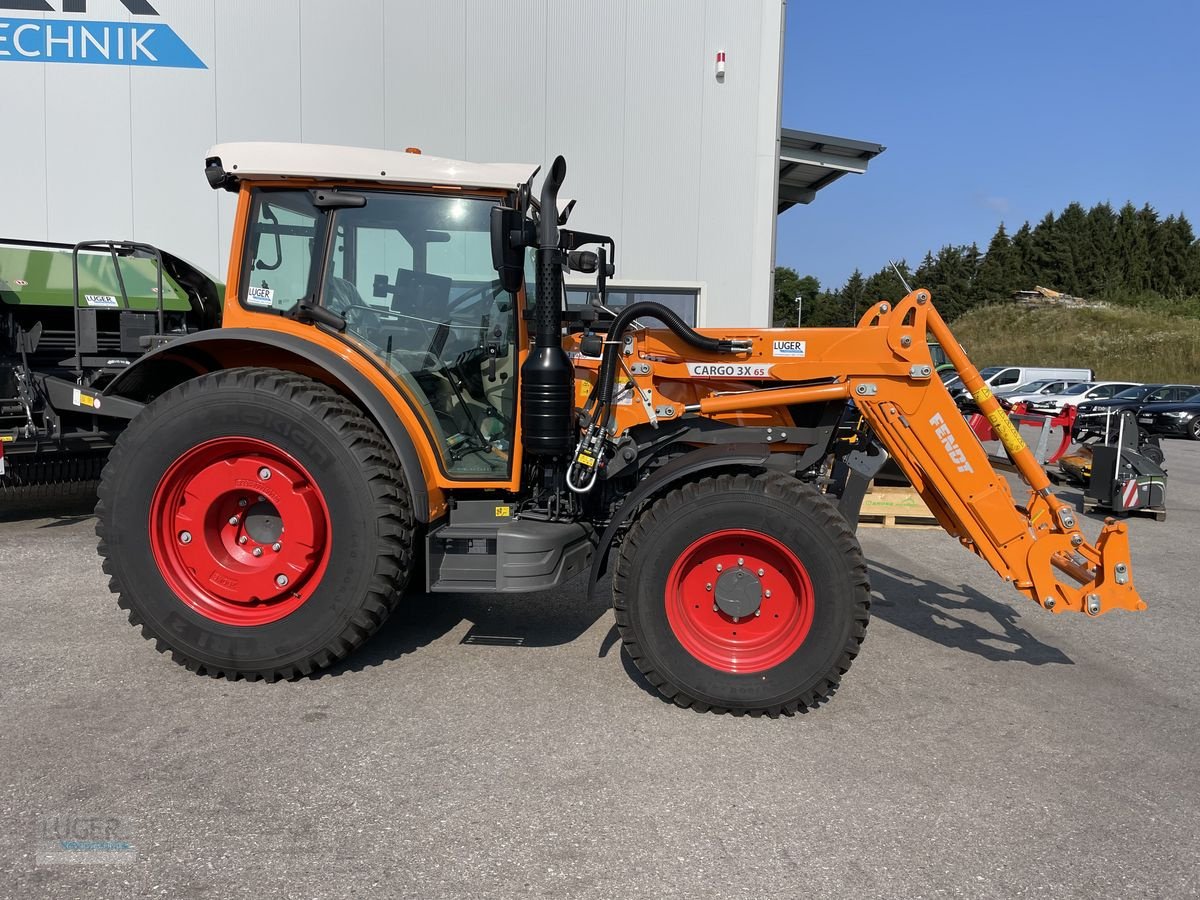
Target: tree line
{"points": [[1129, 256]]}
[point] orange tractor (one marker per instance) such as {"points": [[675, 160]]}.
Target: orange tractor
{"points": [[396, 387]]}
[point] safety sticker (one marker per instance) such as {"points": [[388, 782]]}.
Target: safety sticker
{"points": [[503, 512], [789, 348], [6, 438], [730, 370], [103, 301], [80, 399], [260, 296]]}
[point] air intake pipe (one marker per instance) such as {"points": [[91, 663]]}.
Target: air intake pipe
{"points": [[547, 377]]}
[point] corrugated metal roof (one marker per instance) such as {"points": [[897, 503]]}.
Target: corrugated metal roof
{"points": [[809, 161]]}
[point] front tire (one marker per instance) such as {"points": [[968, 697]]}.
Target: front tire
{"points": [[255, 524], [741, 593]]}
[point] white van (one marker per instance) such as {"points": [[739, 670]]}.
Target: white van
{"points": [[1008, 378]]}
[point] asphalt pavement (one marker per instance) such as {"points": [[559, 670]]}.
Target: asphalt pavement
{"points": [[498, 747]]}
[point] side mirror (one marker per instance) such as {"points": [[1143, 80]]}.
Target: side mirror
{"points": [[508, 247]]}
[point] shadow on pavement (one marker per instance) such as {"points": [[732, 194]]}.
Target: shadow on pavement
{"points": [[62, 502], [933, 611], [500, 620]]}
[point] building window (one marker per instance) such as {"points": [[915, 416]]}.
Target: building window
{"points": [[682, 300]]}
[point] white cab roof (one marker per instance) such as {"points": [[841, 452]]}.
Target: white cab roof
{"points": [[271, 160]]}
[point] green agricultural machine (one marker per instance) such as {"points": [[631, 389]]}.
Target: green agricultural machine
{"points": [[72, 317]]}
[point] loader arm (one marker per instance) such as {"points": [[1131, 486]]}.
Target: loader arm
{"points": [[1038, 546], [885, 367]]}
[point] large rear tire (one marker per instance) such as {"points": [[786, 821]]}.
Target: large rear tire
{"points": [[255, 524], [742, 594]]}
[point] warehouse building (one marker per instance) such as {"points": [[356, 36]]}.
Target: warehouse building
{"points": [[668, 113]]}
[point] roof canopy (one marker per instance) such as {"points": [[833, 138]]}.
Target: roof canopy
{"points": [[809, 162], [272, 160]]}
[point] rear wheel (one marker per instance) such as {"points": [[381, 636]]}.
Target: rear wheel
{"points": [[742, 593], [1194, 429], [255, 524]]}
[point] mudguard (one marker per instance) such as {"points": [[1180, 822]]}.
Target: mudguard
{"points": [[191, 350]]}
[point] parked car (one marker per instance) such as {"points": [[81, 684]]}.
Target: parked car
{"points": [[1094, 417], [1052, 404], [1001, 378], [1173, 419], [1035, 389]]}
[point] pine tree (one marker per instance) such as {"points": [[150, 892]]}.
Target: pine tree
{"points": [[1103, 277], [998, 276]]}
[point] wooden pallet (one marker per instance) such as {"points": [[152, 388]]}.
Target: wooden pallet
{"points": [[895, 507]]}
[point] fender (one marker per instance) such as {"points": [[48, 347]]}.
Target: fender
{"points": [[191, 350], [741, 456]]}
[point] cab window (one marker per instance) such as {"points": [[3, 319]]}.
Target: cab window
{"points": [[279, 254]]}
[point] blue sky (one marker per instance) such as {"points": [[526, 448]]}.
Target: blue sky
{"points": [[989, 112]]}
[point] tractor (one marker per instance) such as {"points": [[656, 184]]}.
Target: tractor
{"points": [[397, 398]]}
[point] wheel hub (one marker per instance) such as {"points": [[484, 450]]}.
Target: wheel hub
{"points": [[263, 523], [738, 593]]}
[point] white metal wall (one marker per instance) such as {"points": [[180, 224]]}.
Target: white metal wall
{"points": [[679, 166]]}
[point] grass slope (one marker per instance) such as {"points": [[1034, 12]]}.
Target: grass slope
{"points": [[1120, 343]]}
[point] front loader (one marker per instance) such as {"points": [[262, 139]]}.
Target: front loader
{"points": [[397, 392]]}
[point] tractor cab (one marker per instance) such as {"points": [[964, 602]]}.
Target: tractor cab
{"points": [[409, 273]]}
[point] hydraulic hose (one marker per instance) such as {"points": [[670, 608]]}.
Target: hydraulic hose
{"points": [[649, 309]]}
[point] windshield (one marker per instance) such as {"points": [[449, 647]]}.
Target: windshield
{"points": [[1032, 386], [990, 371], [1076, 389]]}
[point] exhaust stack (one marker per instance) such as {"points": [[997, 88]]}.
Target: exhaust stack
{"points": [[547, 377]]}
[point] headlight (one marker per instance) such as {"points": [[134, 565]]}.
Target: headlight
{"points": [[1182, 414]]}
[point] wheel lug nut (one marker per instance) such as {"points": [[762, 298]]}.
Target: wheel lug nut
{"points": [[276, 546], [264, 473], [736, 619], [233, 520], [741, 562], [242, 539], [719, 567], [767, 595], [258, 551], [716, 608], [242, 503], [281, 580], [185, 537], [762, 572], [758, 612]]}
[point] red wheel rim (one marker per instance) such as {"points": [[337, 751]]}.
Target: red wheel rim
{"points": [[240, 531], [764, 637]]}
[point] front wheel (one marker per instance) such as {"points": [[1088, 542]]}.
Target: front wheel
{"points": [[742, 593], [254, 524]]}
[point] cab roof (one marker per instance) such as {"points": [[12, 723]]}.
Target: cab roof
{"points": [[265, 160]]}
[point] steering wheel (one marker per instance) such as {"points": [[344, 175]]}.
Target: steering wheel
{"points": [[493, 286]]}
